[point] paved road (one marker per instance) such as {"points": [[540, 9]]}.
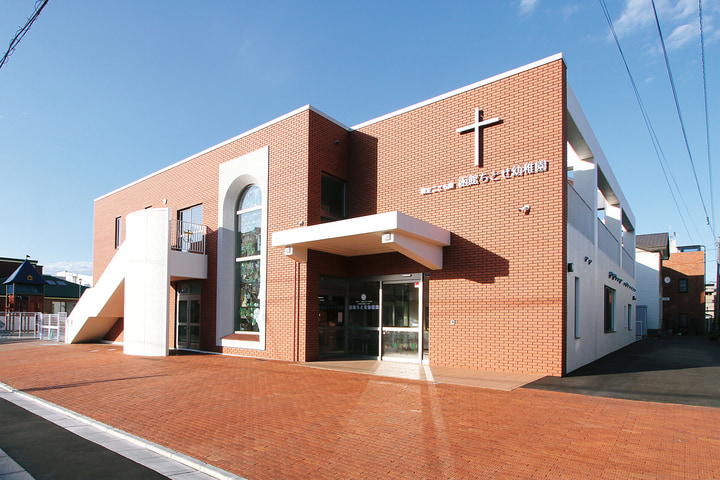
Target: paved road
{"points": [[47, 451], [682, 370]]}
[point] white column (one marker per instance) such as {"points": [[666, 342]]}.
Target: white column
{"points": [[147, 283]]}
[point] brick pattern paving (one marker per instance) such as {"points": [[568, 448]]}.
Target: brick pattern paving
{"points": [[272, 420]]}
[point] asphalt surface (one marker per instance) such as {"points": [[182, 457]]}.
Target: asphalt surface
{"points": [[681, 370], [47, 451]]}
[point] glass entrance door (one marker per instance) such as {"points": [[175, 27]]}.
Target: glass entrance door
{"points": [[379, 317], [187, 324], [401, 320], [364, 317], [331, 319]]}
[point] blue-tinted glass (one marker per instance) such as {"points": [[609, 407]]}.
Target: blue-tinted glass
{"points": [[251, 198], [250, 233], [247, 306]]}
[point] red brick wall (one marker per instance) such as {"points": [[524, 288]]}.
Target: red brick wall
{"points": [[690, 266], [195, 182], [300, 148], [503, 280]]}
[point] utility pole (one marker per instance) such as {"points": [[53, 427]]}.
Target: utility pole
{"points": [[716, 321]]}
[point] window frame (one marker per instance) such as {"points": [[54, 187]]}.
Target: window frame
{"points": [[683, 285], [576, 310], [118, 232], [328, 215], [241, 259], [609, 309], [192, 211]]}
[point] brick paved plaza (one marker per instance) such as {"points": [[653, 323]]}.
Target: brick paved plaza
{"points": [[274, 420]]}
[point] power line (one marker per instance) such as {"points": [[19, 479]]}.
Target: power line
{"points": [[682, 123], [648, 124], [39, 5], [707, 121]]}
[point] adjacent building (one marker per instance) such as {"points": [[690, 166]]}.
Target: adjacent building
{"points": [[684, 290], [479, 229], [650, 253], [710, 299], [24, 288]]}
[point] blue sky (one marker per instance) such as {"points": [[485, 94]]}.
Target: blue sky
{"points": [[101, 93]]}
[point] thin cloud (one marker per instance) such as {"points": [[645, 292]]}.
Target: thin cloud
{"points": [[83, 268], [681, 36], [528, 6], [637, 14], [678, 17], [571, 10]]}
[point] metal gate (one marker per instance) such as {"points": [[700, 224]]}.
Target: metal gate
{"points": [[52, 326], [641, 322], [26, 325]]}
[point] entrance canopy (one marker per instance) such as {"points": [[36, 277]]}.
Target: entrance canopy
{"points": [[369, 235]]}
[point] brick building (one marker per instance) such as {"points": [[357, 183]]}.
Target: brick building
{"points": [[684, 289], [479, 229]]}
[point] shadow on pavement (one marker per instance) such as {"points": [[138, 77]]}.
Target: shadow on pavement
{"points": [[47, 451], [682, 370]]}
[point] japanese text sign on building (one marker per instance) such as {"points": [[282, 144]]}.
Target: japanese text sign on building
{"points": [[516, 171]]}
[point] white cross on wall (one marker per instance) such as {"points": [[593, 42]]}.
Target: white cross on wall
{"points": [[479, 123]]}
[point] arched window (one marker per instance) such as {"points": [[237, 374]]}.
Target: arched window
{"points": [[248, 249]]}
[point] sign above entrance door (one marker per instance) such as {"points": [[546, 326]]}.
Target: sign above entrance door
{"points": [[476, 128]]}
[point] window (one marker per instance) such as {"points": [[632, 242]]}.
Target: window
{"points": [[191, 215], [629, 316], [333, 199], [609, 310], [248, 248], [683, 285], [577, 307], [118, 232], [190, 229]]}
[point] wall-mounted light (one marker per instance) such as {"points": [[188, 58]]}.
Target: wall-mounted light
{"points": [[525, 209]]}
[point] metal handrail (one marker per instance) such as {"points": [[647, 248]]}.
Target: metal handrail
{"points": [[187, 237]]}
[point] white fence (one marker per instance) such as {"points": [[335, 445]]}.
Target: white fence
{"points": [[45, 326]]}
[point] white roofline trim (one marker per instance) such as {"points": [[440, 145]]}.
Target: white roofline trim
{"points": [[222, 144], [460, 90]]}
